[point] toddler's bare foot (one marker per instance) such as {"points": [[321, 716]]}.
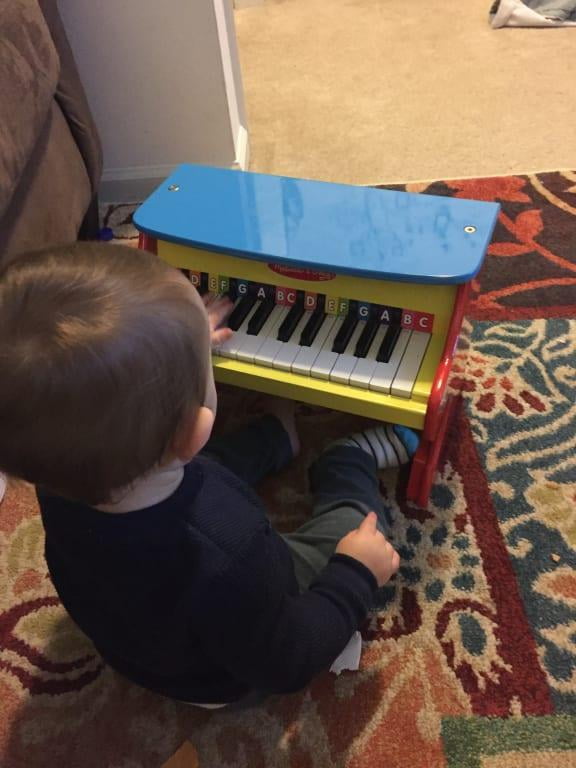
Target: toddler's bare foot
{"points": [[285, 411]]}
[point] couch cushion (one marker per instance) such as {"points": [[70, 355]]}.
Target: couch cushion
{"points": [[29, 71], [54, 193]]}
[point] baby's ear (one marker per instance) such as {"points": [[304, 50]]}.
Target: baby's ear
{"points": [[193, 434]]}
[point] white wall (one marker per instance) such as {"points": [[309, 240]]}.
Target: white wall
{"points": [[163, 81]]}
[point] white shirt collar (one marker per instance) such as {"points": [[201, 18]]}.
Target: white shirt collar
{"points": [[154, 487]]}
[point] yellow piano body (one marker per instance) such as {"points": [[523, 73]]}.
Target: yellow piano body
{"points": [[372, 256], [437, 300]]}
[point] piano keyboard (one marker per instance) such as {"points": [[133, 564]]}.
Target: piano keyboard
{"points": [[365, 346]]}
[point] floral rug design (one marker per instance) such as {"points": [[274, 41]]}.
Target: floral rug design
{"points": [[470, 656]]}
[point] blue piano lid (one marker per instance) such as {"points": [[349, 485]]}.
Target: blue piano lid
{"points": [[356, 230]]}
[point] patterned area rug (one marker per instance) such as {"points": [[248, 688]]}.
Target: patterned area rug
{"points": [[471, 658]]}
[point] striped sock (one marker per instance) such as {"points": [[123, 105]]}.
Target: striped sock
{"points": [[390, 444]]}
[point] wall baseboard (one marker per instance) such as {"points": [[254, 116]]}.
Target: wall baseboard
{"points": [[131, 184], [135, 184], [127, 190], [242, 150]]}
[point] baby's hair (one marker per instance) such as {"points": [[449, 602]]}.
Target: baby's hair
{"points": [[104, 352]]}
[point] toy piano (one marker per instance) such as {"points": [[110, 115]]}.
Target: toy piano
{"points": [[346, 297]]}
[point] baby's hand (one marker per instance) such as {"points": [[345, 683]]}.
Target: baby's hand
{"points": [[217, 311], [371, 548]]}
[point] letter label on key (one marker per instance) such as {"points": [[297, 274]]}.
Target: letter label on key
{"points": [[310, 300], [417, 321], [242, 288], [213, 283], [223, 284], [343, 306], [286, 297], [390, 315], [194, 278], [332, 305], [261, 292], [424, 322], [407, 319], [363, 311]]}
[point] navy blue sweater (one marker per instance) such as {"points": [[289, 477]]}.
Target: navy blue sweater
{"points": [[195, 597]]}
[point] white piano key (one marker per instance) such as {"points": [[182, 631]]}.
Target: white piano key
{"points": [[346, 362], [326, 358], [306, 357], [384, 373], [288, 351], [230, 348], [269, 349], [407, 372], [365, 367], [252, 343]]}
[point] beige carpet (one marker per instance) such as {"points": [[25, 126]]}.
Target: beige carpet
{"points": [[373, 91]]}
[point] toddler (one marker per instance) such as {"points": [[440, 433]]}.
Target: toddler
{"points": [[157, 545]]}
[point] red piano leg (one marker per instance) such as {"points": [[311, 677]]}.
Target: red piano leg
{"points": [[425, 461], [147, 243], [440, 407], [417, 473]]}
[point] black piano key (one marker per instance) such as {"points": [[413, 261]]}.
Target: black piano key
{"points": [[312, 327], [388, 343], [263, 291], [292, 319], [203, 287], [314, 323], [260, 316], [240, 312], [346, 330], [232, 291], [366, 337]]}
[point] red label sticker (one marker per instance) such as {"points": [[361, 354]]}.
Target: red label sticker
{"points": [[424, 322], [301, 274], [417, 321], [285, 296], [407, 319]]}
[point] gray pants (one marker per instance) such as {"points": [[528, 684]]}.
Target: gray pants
{"points": [[343, 483]]}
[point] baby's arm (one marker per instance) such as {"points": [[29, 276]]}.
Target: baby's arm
{"points": [[275, 641], [218, 311]]}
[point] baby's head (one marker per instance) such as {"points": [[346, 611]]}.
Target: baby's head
{"points": [[105, 368]]}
